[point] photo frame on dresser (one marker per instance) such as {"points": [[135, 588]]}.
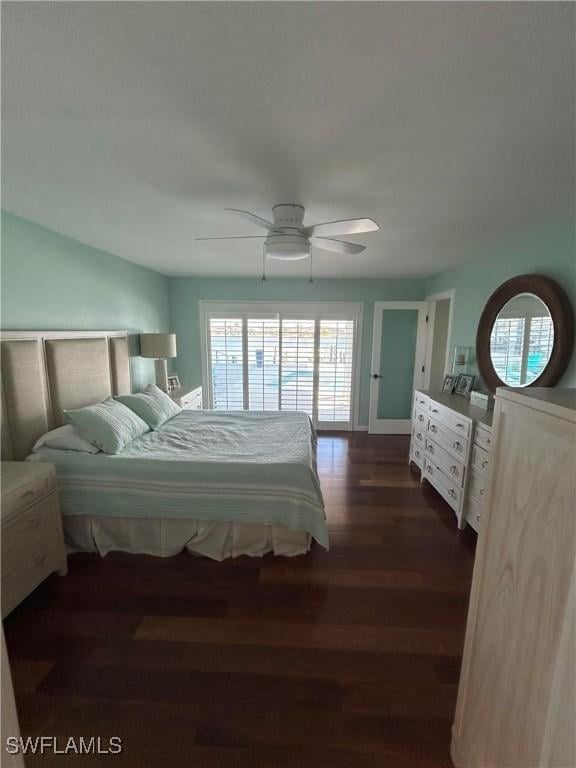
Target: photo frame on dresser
{"points": [[449, 383], [464, 384]]}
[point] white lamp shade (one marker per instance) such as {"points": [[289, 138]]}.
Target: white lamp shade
{"points": [[158, 345]]}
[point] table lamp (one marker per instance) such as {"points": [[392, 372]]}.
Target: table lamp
{"points": [[159, 346]]}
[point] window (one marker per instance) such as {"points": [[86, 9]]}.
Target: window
{"points": [[263, 363], [298, 348], [226, 361], [520, 347], [335, 369], [288, 357]]}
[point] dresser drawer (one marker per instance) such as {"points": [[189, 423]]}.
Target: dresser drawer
{"points": [[456, 445], [473, 513], [419, 435], [459, 424], [420, 418], [483, 437], [23, 574], [450, 491], [421, 401], [417, 454], [447, 463], [477, 486], [480, 459], [22, 496], [37, 523]]}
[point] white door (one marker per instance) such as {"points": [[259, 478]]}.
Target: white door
{"points": [[398, 359]]}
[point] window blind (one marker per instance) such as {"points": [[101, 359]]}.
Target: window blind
{"points": [[227, 363], [336, 354], [297, 384], [263, 363]]}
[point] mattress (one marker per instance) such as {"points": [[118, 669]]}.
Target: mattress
{"points": [[227, 466]]}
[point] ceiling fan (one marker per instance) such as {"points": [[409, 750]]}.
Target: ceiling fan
{"points": [[288, 239]]}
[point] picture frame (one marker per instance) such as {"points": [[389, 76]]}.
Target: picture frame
{"points": [[464, 384], [173, 383], [449, 383]]}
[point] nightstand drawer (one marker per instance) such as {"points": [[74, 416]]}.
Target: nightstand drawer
{"points": [[23, 574], [22, 496], [36, 523]]}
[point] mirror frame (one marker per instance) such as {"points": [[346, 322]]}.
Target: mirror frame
{"points": [[560, 308]]}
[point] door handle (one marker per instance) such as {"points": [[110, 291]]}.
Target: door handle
{"points": [[376, 376]]}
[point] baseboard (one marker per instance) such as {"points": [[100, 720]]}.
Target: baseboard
{"points": [[360, 428]]}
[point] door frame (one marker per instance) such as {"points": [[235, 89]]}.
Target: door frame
{"points": [[432, 299], [395, 426]]}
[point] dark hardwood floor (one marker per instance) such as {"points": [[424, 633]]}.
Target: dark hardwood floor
{"points": [[344, 659]]}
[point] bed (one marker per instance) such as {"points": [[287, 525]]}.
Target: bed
{"points": [[219, 484]]}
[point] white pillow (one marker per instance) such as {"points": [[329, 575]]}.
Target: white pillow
{"points": [[64, 439]]}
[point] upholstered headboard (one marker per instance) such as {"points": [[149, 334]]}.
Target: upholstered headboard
{"points": [[47, 372]]}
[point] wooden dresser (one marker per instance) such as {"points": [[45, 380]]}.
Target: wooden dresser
{"points": [[450, 443], [32, 540], [516, 699]]}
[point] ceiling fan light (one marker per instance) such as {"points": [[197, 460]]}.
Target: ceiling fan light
{"points": [[287, 247]]}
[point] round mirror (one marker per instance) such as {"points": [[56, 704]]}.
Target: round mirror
{"points": [[526, 334], [521, 340]]}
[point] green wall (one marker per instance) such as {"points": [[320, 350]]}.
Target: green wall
{"points": [[549, 250], [51, 282], [186, 292]]}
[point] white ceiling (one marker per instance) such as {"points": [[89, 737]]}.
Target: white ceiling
{"points": [[130, 126]]}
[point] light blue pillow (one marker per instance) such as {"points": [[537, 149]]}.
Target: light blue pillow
{"points": [[152, 405], [110, 426]]}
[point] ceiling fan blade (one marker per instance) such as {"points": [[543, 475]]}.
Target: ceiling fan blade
{"points": [[346, 227], [252, 218], [327, 244], [235, 237]]}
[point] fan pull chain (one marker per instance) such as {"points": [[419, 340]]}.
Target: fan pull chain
{"points": [[311, 280], [264, 279]]}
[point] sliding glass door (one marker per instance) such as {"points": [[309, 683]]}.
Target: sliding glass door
{"points": [[282, 357]]}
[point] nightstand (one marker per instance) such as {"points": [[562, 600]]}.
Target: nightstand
{"points": [[32, 538], [188, 399]]}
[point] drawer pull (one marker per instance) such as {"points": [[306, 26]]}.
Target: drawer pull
{"points": [[488, 441], [477, 518], [420, 418], [433, 428], [417, 454], [429, 470], [434, 410], [430, 448], [34, 522], [484, 463], [40, 560], [481, 491], [452, 493], [459, 424], [457, 445], [419, 435], [453, 469]]}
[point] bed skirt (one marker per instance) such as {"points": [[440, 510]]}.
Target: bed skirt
{"points": [[167, 537]]}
